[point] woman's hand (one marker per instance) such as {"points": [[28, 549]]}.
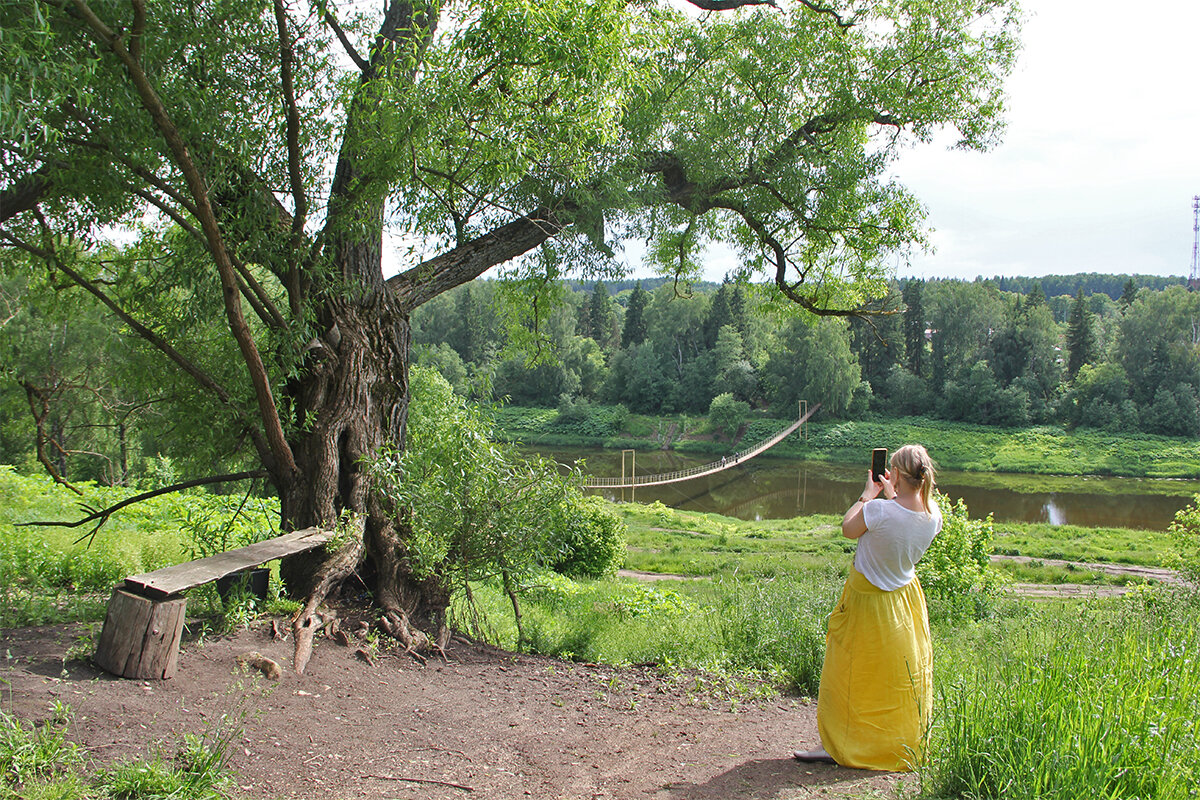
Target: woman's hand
{"points": [[873, 487], [889, 491]]}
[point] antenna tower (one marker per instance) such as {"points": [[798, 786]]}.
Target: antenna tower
{"points": [[1194, 278]]}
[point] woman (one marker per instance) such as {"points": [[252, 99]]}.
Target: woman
{"points": [[877, 681]]}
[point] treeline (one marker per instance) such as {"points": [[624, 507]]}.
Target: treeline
{"points": [[960, 350], [82, 400]]}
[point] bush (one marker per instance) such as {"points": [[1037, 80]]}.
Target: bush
{"points": [[956, 571], [587, 539], [580, 417], [726, 414], [1186, 529]]}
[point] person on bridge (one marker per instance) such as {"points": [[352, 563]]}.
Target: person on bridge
{"points": [[874, 704]]}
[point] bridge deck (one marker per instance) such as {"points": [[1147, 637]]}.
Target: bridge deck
{"points": [[701, 470]]}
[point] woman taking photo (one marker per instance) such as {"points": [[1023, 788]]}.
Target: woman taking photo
{"points": [[877, 681]]}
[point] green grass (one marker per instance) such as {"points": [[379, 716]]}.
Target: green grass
{"points": [[1043, 450], [1077, 543], [1100, 699], [39, 762], [47, 575], [770, 631]]}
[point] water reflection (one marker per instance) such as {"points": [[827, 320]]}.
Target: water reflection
{"points": [[769, 488]]}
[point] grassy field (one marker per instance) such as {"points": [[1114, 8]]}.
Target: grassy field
{"points": [[1058, 700], [1043, 450]]}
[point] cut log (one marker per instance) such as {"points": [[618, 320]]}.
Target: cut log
{"points": [[140, 638]]}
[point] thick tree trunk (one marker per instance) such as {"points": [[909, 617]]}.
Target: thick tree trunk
{"points": [[352, 401]]}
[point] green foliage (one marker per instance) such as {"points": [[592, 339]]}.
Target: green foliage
{"points": [[30, 753], [1097, 700], [216, 523], [1186, 531], [476, 508], [956, 571], [590, 421], [585, 538], [726, 414], [777, 626]]}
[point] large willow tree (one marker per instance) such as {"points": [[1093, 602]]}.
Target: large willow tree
{"points": [[268, 154]]}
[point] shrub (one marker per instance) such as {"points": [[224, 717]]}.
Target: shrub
{"points": [[1186, 529], [726, 414], [956, 571], [586, 538]]}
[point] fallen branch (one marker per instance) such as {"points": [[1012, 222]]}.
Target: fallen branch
{"points": [[421, 780]]}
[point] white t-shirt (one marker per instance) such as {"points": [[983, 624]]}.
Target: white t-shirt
{"points": [[895, 540]]}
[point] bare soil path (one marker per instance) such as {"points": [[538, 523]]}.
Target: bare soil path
{"points": [[482, 724]]}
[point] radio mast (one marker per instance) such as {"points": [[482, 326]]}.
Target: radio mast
{"points": [[1194, 278]]}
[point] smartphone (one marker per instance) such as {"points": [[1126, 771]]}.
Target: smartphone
{"points": [[878, 463]]}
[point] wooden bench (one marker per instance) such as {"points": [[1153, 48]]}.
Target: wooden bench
{"points": [[145, 616]]}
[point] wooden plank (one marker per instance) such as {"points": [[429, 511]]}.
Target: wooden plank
{"points": [[172, 580]]}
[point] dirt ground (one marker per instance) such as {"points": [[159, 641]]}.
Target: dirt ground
{"points": [[482, 723]]}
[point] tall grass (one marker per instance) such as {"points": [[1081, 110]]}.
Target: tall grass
{"points": [[1100, 700], [39, 761], [772, 629]]}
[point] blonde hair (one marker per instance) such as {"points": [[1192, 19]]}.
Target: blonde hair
{"points": [[913, 464]]}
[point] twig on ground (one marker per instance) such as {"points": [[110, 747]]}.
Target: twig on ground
{"points": [[421, 780]]}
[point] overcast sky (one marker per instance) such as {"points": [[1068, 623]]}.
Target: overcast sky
{"points": [[1101, 158]]}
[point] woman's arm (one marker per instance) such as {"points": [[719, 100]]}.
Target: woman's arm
{"points": [[854, 524]]}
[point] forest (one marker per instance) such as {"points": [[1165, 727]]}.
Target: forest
{"points": [[966, 351], [81, 399]]}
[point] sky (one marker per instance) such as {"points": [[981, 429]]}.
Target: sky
{"points": [[1101, 158], [1099, 163]]}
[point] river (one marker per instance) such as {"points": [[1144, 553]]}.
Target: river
{"points": [[778, 488]]}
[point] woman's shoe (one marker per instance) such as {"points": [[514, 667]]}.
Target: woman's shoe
{"points": [[816, 755]]}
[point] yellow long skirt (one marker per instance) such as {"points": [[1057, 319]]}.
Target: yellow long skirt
{"points": [[877, 681]]}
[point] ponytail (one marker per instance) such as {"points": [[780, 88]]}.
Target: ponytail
{"points": [[913, 464]]}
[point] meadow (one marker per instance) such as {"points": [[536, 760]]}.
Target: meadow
{"points": [[1041, 451], [1060, 699]]}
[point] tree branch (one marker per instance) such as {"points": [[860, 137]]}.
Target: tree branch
{"points": [[287, 58], [279, 453], [729, 5], [332, 22], [104, 513], [468, 261], [25, 193], [39, 419]]}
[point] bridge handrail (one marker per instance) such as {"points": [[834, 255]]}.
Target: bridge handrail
{"points": [[713, 466]]}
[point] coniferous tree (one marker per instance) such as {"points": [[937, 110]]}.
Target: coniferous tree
{"points": [[1127, 295], [737, 311], [914, 326], [468, 335], [1036, 297], [1081, 335], [719, 315], [600, 316], [635, 317]]}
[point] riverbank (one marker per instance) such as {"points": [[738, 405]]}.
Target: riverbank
{"points": [[1043, 450]]}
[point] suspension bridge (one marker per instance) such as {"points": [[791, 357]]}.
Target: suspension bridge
{"points": [[726, 462]]}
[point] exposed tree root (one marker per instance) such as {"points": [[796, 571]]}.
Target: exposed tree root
{"points": [[336, 568]]}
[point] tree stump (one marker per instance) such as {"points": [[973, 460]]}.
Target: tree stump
{"points": [[140, 638]]}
